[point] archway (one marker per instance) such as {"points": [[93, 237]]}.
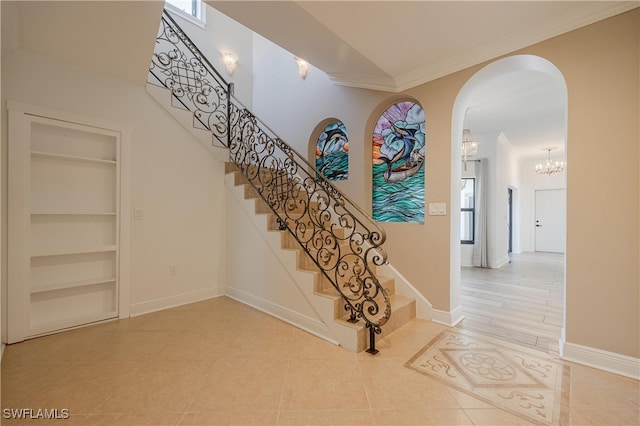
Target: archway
{"points": [[504, 70]]}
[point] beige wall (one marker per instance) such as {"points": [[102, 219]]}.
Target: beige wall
{"points": [[600, 65]]}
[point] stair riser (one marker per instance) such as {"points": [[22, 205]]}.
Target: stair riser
{"points": [[400, 316], [322, 287]]}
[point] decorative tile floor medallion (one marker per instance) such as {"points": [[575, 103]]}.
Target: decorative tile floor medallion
{"points": [[529, 384]]}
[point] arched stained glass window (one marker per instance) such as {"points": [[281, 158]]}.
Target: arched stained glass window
{"points": [[398, 164], [332, 152]]}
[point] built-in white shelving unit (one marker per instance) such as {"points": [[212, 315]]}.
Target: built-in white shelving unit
{"points": [[68, 213]]}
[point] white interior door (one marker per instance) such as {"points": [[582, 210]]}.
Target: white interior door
{"points": [[550, 226]]}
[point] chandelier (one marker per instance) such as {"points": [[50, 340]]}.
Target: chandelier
{"points": [[549, 167], [469, 146]]}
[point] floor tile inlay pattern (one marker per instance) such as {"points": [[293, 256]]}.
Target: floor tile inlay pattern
{"points": [[525, 383]]}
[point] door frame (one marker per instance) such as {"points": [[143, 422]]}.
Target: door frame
{"points": [[463, 101], [509, 220], [19, 114]]}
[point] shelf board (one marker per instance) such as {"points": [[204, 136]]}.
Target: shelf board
{"points": [[71, 157], [73, 284], [62, 252]]}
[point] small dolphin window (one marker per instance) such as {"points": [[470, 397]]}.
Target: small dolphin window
{"points": [[332, 152], [398, 170]]}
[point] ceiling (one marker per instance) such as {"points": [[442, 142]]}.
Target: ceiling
{"points": [[396, 45], [96, 35]]}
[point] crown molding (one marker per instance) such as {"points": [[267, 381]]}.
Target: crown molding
{"points": [[592, 13]]}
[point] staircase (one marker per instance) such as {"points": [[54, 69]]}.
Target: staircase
{"points": [[330, 246], [319, 290]]}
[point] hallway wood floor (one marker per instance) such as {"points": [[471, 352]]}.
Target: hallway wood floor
{"points": [[522, 302]]}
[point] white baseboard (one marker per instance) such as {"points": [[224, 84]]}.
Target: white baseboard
{"points": [[310, 325], [562, 341], [173, 301], [450, 319], [608, 361], [500, 263]]}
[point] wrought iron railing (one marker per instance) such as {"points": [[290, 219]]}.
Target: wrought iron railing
{"points": [[340, 238]]}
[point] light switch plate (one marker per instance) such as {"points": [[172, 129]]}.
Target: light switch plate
{"points": [[437, 209]]}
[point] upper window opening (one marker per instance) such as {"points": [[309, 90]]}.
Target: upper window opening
{"points": [[193, 10]]}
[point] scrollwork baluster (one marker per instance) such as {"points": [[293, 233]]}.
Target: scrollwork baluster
{"points": [[342, 240]]}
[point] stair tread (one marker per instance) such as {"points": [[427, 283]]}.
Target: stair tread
{"points": [[400, 299], [402, 306]]}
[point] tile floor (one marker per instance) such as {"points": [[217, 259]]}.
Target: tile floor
{"points": [[219, 362]]}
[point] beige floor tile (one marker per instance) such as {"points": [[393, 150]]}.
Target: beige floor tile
{"points": [[240, 418], [241, 384], [157, 418], [198, 346], [390, 386], [74, 396], [135, 345], [261, 343], [170, 319], [600, 417], [313, 384], [594, 389], [72, 420], [308, 346], [495, 417], [423, 417], [161, 386], [326, 418], [22, 381], [42, 351]]}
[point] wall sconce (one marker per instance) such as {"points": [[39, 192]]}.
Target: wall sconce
{"points": [[230, 60], [303, 66]]}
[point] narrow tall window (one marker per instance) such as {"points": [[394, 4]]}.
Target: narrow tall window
{"points": [[467, 211]]}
